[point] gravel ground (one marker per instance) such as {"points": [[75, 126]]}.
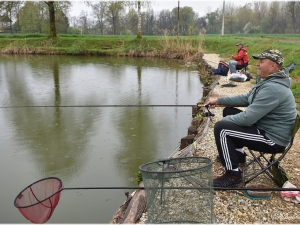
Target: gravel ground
{"points": [[233, 206]]}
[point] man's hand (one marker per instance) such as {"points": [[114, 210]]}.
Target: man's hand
{"points": [[212, 102]]}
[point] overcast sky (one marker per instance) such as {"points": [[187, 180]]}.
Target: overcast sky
{"points": [[201, 7]]}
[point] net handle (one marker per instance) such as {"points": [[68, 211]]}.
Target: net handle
{"points": [[38, 201], [42, 214], [139, 187]]}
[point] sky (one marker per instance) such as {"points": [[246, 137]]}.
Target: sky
{"points": [[201, 7]]}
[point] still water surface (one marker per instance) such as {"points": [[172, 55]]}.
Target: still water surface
{"points": [[87, 146]]}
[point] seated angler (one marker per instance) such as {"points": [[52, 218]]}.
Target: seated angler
{"points": [[266, 124], [241, 60]]}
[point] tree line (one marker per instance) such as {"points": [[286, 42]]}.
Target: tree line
{"points": [[138, 17]]}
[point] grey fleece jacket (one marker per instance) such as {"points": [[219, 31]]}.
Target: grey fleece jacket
{"points": [[270, 105]]}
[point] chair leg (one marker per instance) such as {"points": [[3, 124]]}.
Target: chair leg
{"points": [[256, 160], [242, 70]]}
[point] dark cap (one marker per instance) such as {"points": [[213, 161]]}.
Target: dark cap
{"points": [[239, 44], [272, 54]]}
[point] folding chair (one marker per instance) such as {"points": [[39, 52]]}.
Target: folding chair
{"points": [[260, 164], [242, 68]]}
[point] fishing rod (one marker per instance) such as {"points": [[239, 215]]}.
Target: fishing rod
{"points": [[199, 105]]}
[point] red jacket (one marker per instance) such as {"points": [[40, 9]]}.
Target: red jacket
{"points": [[241, 57]]}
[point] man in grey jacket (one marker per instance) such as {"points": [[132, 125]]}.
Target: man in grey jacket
{"points": [[265, 125]]}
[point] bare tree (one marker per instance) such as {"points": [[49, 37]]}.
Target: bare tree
{"points": [[212, 18], [201, 23], [293, 11], [114, 8], [139, 26], [164, 20], [281, 19], [98, 10], [259, 12], [149, 22], [53, 6], [273, 17], [187, 20], [83, 22], [231, 18], [244, 15], [139, 4], [51, 9], [131, 22]]}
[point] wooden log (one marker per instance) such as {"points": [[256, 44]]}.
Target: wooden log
{"points": [[120, 213], [187, 140], [195, 111], [206, 91], [202, 129], [189, 150], [196, 122], [131, 211], [137, 206], [192, 130]]}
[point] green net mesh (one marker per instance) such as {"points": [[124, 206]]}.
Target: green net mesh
{"points": [[179, 190]]}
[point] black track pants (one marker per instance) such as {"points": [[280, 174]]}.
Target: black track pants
{"points": [[229, 136]]}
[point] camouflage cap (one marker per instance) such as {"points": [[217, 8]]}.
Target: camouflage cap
{"points": [[272, 54], [239, 44]]}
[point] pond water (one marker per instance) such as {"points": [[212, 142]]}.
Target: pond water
{"points": [[88, 146]]}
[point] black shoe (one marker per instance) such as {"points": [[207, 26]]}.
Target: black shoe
{"points": [[241, 157], [233, 179]]}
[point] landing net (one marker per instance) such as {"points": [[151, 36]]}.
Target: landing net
{"points": [[38, 201]]}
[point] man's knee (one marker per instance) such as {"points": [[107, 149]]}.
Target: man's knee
{"points": [[222, 125], [232, 62], [226, 111], [230, 111], [219, 126]]}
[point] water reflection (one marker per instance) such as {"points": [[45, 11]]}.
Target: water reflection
{"points": [[134, 125], [88, 146], [42, 129]]}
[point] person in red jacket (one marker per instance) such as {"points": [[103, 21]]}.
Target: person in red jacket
{"points": [[240, 60]]}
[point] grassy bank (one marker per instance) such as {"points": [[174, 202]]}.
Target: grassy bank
{"points": [[183, 48], [159, 46]]}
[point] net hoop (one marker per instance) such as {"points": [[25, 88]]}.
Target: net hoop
{"points": [[38, 201]]}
